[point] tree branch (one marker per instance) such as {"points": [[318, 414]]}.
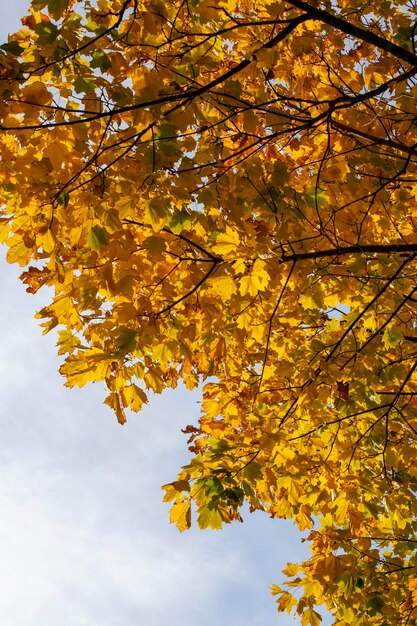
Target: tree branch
{"points": [[356, 31], [399, 248]]}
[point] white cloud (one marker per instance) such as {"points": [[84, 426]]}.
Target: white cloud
{"points": [[61, 562]]}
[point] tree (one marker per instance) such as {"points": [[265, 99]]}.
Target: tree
{"points": [[225, 193]]}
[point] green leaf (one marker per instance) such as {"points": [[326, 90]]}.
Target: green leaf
{"points": [[63, 199], [233, 88], [47, 33], [374, 605], [280, 174], [348, 583], [13, 48], [122, 95], [180, 221], [126, 340], [167, 131], [316, 197], [170, 148], [154, 244], [391, 337], [94, 27], [82, 85], [37, 5], [100, 60], [97, 238], [403, 36], [234, 496], [218, 446], [252, 471], [209, 518], [155, 213], [57, 7], [211, 485]]}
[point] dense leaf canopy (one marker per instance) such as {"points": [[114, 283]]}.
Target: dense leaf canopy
{"points": [[224, 193]]}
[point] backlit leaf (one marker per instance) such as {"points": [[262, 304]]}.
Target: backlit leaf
{"points": [[97, 238], [223, 196]]}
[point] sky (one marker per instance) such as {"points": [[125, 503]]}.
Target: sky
{"points": [[85, 539]]}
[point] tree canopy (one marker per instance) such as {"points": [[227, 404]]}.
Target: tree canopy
{"points": [[224, 193]]}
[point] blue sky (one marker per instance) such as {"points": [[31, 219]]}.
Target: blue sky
{"points": [[84, 537]]}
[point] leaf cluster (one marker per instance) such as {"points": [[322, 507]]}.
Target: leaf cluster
{"points": [[224, 194]]}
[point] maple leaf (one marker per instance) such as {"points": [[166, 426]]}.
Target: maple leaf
{"points": [[246, 223]]}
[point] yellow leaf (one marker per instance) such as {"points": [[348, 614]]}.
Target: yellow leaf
{"points": [[412, 585], [209, 517], [113, 401], [135, 397], [249, 284], [227, 243], [331, 300], [36, 93], [275, 590], [162, 353], [4, 229], [153, 380], [291, 569], [84, 367], [308, 302], [180, 513], [286, 601], [349, 615], [18, 252], [255, 280], [224, 286], [57, 153], [310, 618], [47, 241]]}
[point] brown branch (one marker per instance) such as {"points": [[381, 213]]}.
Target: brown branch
{"points": [[390, 248], [356, 31], [165, 229], [271, 319], [368, 306], [393, 393], [390, 143], [190, 292], [384, 325], [338, 421]]}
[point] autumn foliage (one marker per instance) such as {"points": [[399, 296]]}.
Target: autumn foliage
{"points": [[224, 193]]}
